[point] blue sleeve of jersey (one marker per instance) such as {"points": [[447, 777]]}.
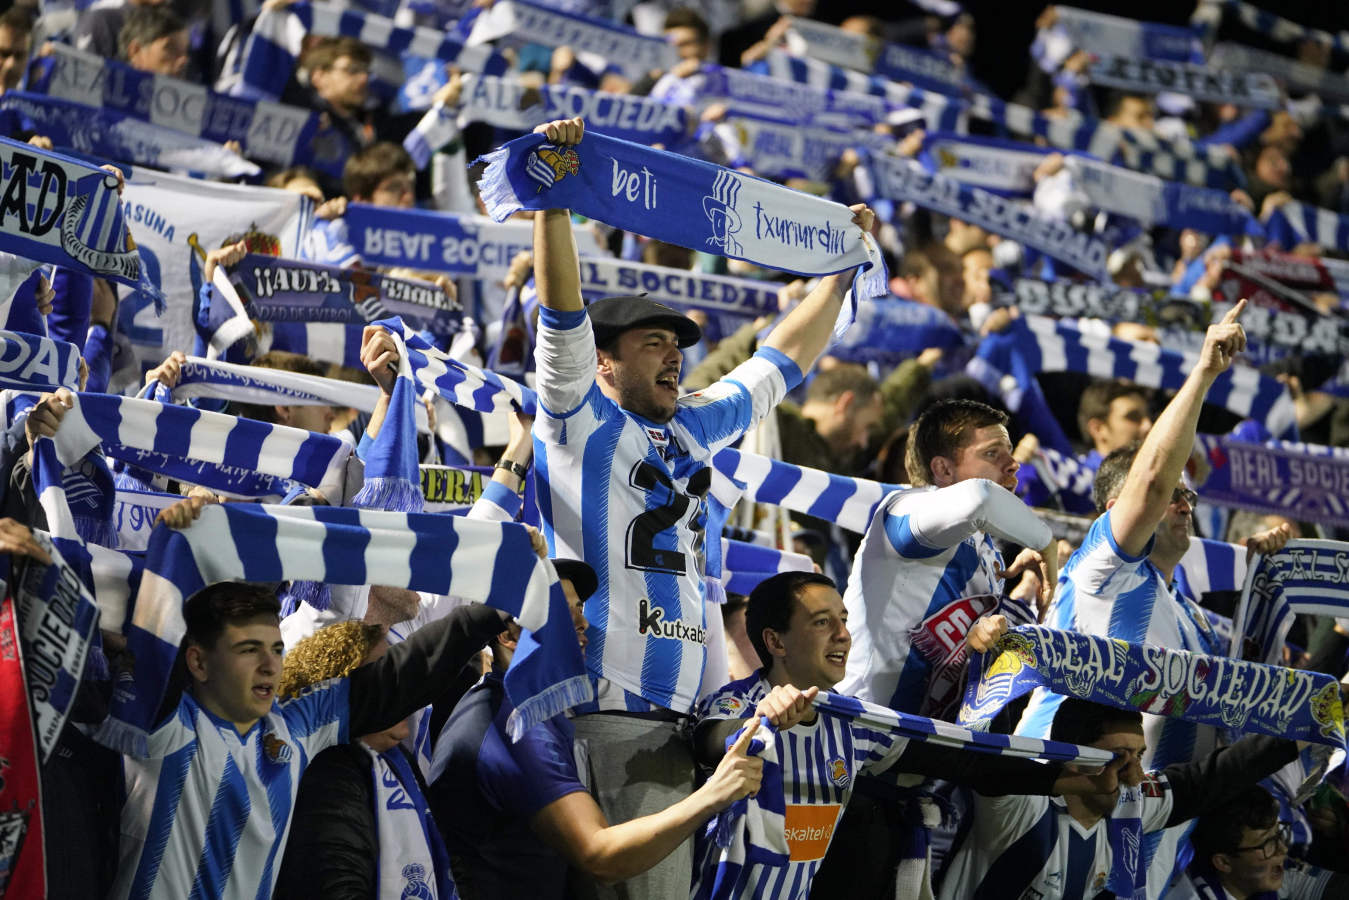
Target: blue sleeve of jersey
{"points": [[524, 777], [900, 534], [322, 706], [561, 319], [791, 372], [1107, 534], [502, 496]]}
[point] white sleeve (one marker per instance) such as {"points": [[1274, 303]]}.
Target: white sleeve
{"points": [[946, 516], [565, 366]]}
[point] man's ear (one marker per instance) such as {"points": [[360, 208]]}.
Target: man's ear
{"points": [[282, 414], [943, 470], [510, 636], [1222, 862], [194, 655], [604, 364], [1111, 502], [844, 402], [773, 641], [1095, 427]]}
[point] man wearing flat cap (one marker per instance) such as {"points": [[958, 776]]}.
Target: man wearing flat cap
{"points": [[623, 463]]}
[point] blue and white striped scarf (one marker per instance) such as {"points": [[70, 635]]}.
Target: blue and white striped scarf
{"points": [[1297, 223], [110, 134], [1210, 13], [1049, 345], [686, 202], [480, 561], [229, 455], [523, 22], [1306, 576], [745, 564], [272, 132], [781, 148], [747, 298], [270, 54], [747, 92], [895, 62]]}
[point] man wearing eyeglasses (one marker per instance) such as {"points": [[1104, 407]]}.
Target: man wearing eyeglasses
{"points": [[1118, 583], [1241, 853]]}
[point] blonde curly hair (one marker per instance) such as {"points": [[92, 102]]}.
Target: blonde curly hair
{"points": [[334, 651]]}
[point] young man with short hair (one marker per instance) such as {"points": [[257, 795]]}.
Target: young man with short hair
{"points": [[1241, 853], [1063, 849], [623, 461], [209, 806], [798, 625], [1112, 414], [154, 39]]}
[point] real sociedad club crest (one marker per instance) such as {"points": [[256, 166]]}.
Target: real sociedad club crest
{"points": [[1328, 711], [550, 164]]}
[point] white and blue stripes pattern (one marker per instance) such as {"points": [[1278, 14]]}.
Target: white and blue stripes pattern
{"points": [[847, 502], [1294, 223], [222, 452], [1059, 345], [489, 562], [274, 45], [1306, 576], [1272, 25], [30, 362]]}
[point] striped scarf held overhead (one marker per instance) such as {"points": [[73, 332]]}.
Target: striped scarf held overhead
{"points": [[217, 380], [687, 202], [1062, 345], [485, 562], [227, 454]]}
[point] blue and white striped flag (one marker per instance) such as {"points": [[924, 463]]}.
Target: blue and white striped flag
{"points": [[1209, 14], [1307, 576], [1297, 223], [525, 22]]}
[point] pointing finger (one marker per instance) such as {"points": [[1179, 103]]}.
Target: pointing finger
{"points": [[1235, 312]]}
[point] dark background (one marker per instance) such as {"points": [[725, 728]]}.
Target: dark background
{"points": [[1005, 28]]}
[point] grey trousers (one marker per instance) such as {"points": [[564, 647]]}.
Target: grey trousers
{"points": [[635, 767]]}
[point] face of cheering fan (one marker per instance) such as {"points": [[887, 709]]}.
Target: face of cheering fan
{"points": [[641, 372], [1128, 745], [813, 651], [987, 454], [236, 679]]}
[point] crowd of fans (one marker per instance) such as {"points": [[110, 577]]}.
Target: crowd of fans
{"points": [[364, 748]]}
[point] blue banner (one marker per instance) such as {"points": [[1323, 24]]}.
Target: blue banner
{"points": [[1301, 481], [287, 290], [1295, 704], [439, 241]]}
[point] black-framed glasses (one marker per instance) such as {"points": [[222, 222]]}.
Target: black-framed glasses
{"points": [[1189, 496], [1272, 845]]}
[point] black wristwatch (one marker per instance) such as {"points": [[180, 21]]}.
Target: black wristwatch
{"points": [[512, 466]]}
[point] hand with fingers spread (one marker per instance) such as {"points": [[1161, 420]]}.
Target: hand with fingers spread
{"points": [[1222, 343], [169, 371], [786, 705], [563, 132], [379, 355], [984, 633], [17, 539], [738, 775], [183, 513]]}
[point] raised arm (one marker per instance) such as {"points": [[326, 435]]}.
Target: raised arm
{"points": [[414, 673], [1157, 468], [805, 332], [556, 271], [1199, 786]]}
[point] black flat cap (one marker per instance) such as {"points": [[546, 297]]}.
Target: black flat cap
{"points": [[611, 316], [581, 576]]}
